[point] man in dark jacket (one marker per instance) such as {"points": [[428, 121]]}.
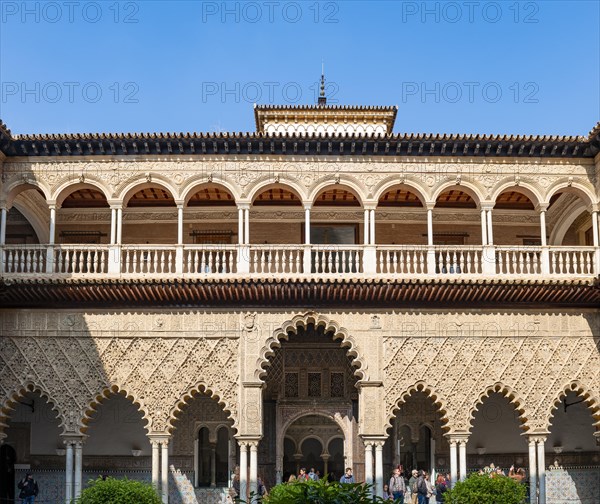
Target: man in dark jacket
{"points": [[29, 489], [422, 489]]}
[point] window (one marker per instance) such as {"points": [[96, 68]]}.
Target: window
{"points": [[291, 385], [314, 384]]}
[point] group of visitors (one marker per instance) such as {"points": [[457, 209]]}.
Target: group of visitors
{"points": [[518, 475], [419, 487]]}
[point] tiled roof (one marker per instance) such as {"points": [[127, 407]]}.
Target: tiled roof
{"points": [[300, 292], [412, 144]]}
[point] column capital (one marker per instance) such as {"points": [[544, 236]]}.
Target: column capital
{"points": [[594, 207], [487, 205], [370, 205], [115, 204], [429, 205], [541, 207], [307, 204], [159, 438], [52, 204], [537, 437], [244, 205], [180, 203], [457, 438]]}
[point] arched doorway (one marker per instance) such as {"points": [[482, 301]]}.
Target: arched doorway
{"points": [[308, 443], [310, 384]]}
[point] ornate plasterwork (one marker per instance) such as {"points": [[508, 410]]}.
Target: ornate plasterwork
{"points": [[368, 177], [458, 373], [158, 372]]}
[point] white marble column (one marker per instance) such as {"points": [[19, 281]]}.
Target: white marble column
{"points": [[240, 226], [119, 226], [366, 228], [253, 467], [541, 460], [196, 461], [379, 468], [595, 228], [368, 462], [247, 226], [543, 238], [243, 470], [69, 471], [453, 463], [3, 213], [490, 229], [430, 226], [532, 472], [78, 469], [113, 225], [307, 225], [52, 237], [372, 226], [484, 239], [462, 459], [155, 463], [180, 224], [165, 471]]}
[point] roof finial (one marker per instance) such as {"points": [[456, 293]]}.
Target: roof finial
{"points": [[322, 99]]}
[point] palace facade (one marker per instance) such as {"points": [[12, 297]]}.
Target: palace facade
{"points": [[321, 292]]}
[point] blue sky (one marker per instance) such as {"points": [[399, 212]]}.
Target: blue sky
{"points": [[451, 67]]}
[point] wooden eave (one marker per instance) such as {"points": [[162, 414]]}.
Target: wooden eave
{"points": [[350, 293]]}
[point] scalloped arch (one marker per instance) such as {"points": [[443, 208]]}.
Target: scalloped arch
{"points": [[106, 393], [188, 395], [274, 341], [420, 386], [592, 402], [524, 187], [507, 392], [19, 393]]}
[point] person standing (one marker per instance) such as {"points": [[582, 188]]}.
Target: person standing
{"points": [[397, 485], [422, 490], [347, 478], [303, 476], [412, 483], [440, 488], [313, 475], [29, 489]]}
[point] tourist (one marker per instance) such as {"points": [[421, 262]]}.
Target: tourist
{"points": [[412, 484], [303, 476], [261, 488], [518, 475], [313, 475], [235, 484], [422, 490], [29, 489], [292, 478], [441, 486], [397, 485], [347, 478], [430, 488], [386, 493]]}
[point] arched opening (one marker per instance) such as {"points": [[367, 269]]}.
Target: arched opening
{"points": [[203, 441], [515, 220], [401, 218], [310, 392], [279, 203], [210, 216], [28, 219], [336, 218], [496, 436], [573, 450], [116, 436], [33, 444], [456, 218], [569, 220], [140, 225], [84, 217], [416, 439]]}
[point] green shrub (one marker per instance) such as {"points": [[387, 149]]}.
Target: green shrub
{"points": [[321, 492], [118, 491], [477, 489]]}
